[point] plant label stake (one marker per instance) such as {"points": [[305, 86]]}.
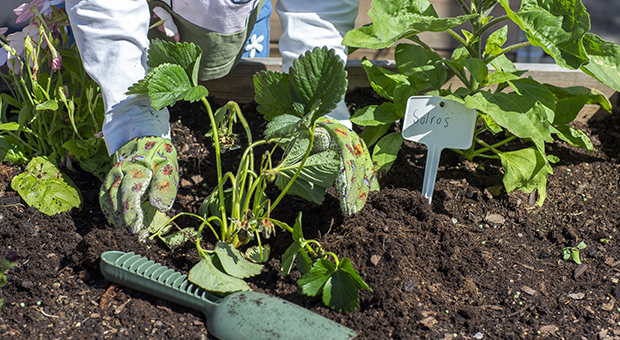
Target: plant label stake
{"points": [[438, 124]]}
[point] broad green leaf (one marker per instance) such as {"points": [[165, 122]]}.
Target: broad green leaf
{"points": [[521, 115], [282, 126], [289, 258], [318, 76], [573, 137], [575, 256], [44, 187], [371, 134], [312, 282], [318, 173], [254, 253], [383, 81], [374, 115], [385, 152], [297, 230], [234, 263], [346, 266], [556, 26], [499, 77], [495, 42], [530, 88], [272, 94], [304, 263], [459, 54], [186, 55], [206, 275], [570, 101], [477, 68], [177, 238], [9, 126], [155, 220], [421, 66], [340, 292], [604, 60], [48, 105], [169, 84], [525, 170], [11, 152], [490, 124], [395, 20]]}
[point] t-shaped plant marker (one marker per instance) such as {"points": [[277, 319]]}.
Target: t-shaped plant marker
{"points": [[438, 124]]}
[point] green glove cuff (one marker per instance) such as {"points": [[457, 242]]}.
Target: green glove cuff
{"points": [[357, 177], [146, 168]]}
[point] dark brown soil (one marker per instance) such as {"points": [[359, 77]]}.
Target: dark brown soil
{"points": [[476, 264]]}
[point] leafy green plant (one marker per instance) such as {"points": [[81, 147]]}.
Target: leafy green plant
{"points": [[8, 262], [572, 253], [509, 106], [53, 112], [238, 211]]}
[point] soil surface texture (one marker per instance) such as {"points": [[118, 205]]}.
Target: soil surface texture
{"points": [[477, 263]]}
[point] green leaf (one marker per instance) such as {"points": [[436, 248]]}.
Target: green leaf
{"points": [[282, 126], [604, 60], [234, 263], [44, 187], [297, 230], [371, 134], [374, 115], [155, 220], [395, 20], [179, 237], [9, 126], [477, 68], [318, 173], [383, 81], [185, 55], [47, 105], [312, 282], [289, 258], [254, 253], [346, 266], [169, 84], [521, 115], [573, 137], [385, 152], [525, 170], [570, 101], [495, 42], [272, 94], [575, 256], [499, 77], [556, 26], [530, 88], [424, 68], [340, 290], [206, 275], [318, 76]]}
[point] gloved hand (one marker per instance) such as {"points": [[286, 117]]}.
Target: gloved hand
{"points": [[357, 175], [146, 168]]}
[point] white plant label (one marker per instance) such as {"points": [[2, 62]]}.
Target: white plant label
{"points": [[438, 124]]}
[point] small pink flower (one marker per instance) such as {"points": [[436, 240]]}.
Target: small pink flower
{"points": [[166, 24], [3, 30], [56, 63], [47, 6], [24, 11]]}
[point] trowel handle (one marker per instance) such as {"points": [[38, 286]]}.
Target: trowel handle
{"points": [[138, 273]]}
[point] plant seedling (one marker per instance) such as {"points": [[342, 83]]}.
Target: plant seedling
{"points": [[8, 262], [573, 252], [438, 124]]}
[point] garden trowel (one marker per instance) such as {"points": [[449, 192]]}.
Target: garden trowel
{"points": [[239, 315], [437, 123]]}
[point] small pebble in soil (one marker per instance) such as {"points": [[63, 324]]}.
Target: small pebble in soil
{"points": [[409, 284], [454, 220], [579, 270], [478, 335]]}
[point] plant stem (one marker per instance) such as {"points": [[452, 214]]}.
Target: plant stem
{"points": [[471, 51], [489, 24], [218, 165], [506, 50], [464, 6], [301, 165], [493, 147]]}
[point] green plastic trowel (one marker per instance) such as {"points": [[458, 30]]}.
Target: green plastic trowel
{"points": [[239, 315], [438, 124]]}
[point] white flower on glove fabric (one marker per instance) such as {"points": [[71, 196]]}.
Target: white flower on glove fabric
{"points": [[166, 24], [255, 45]]}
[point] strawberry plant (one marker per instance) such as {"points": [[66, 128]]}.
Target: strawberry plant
{"points": [[238, 211], [510, 107]]}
